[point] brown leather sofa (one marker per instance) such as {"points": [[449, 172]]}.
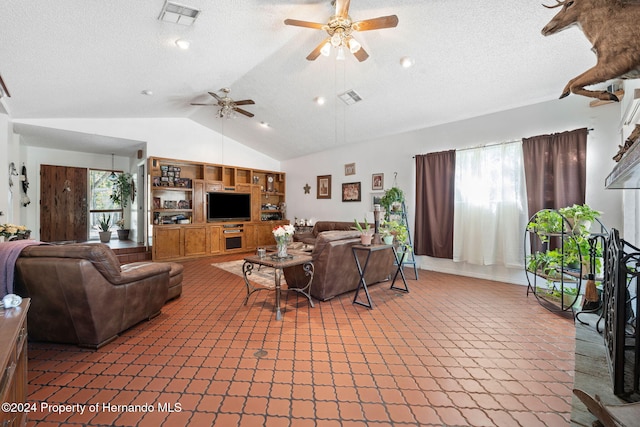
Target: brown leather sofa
{"points": [[335, 270], [80, 294], [322, 226]]}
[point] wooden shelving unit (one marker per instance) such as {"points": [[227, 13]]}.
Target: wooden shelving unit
{"points": [[178, 208]]}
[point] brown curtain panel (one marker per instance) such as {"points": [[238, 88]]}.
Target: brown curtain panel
{"points": [[435, 197], [555, 168]]}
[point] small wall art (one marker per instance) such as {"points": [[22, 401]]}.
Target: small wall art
{"points": [[324, 187], [350, 169], [351, 192], [377, 181]]}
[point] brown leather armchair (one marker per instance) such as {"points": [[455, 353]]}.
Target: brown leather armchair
{"points": [[81, 295], [334, 266]]}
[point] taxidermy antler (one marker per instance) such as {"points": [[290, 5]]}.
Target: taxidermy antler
{"points": [[612, 27]]}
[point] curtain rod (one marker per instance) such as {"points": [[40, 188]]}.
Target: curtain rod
{"points": [[492, 144]]}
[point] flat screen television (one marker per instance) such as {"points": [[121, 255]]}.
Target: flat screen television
{"points": [[228, 207]]}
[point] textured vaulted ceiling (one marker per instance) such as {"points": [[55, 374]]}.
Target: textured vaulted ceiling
{"points": [[92, 59]]}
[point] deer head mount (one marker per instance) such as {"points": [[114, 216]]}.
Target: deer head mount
{"points": [[613, 30]]}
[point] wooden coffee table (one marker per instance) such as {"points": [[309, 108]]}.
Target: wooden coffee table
{"points": [[278, 265]]}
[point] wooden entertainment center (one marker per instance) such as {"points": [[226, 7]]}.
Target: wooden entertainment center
{"points": [[184, 227]]}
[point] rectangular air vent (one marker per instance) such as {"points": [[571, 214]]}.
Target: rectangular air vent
{"points": [[178, 14], [350, 97]]}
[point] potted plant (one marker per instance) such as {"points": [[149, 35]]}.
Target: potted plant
{"points": [[123, 190], [103, 225], [123, 233], [385, 232], [579, 217], [545, 222], [392, 201], [366, 233]]}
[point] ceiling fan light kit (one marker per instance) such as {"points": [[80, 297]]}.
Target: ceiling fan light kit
{"points": [[339, 28]]}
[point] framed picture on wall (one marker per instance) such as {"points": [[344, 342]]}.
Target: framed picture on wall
{"points": [[350, 169], [324, 187], [351, 192], [377, 181]]}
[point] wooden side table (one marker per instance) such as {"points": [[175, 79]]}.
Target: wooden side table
{"points": [[362, 269], [278, 265], [13, 364]]}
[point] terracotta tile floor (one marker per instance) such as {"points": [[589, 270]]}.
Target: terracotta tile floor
{"points": [[454, 351]]}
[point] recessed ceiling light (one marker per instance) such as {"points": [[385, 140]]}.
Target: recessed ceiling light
{"points": [[147, 92], [319, 100], [407, 61], [264, 124], [183, 44]]}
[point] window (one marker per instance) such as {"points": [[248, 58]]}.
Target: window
{"points": [[490, 205], [100, 187]]}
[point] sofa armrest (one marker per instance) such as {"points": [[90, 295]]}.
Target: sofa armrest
{"points": [[141, 270]]}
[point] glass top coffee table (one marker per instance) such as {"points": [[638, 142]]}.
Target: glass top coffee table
{"points": [[278, 265]]}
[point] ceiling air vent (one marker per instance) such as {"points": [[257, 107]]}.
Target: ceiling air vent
{"points": [[350, 97], [178, 14]]}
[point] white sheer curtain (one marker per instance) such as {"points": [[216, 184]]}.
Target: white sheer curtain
{"points": [[490, 205]]}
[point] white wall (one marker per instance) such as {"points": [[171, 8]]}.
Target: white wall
{"points": [[5, 135], [395, 154]]}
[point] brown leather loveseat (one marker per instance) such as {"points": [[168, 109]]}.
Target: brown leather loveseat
{"points": [[335, 270], [80, 294]]}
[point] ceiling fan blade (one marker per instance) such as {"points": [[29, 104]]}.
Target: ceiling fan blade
{"points": [[342, 8], [316, 52], [361, 54], [215, 95], [206, 105], [244, 102], [306, 24], [241, 111], [376, 23]]}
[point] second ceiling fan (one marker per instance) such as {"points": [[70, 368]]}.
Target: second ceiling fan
{"points": [[340, 28], [228, 107]]}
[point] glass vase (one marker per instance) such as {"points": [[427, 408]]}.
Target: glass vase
{"points": [[282, 249]]}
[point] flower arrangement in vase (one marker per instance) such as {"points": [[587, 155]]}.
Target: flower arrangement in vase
{"points": [[13, 232], [282, 234]]}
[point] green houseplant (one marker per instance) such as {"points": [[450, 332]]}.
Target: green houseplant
{"points": [[122, 190], [579, 217], [392, 201], [366, 233], [123, 233], [104, 224]]}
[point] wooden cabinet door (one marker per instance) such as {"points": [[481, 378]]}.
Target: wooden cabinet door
{"points": [[167, 244], [256, 203], [199, 202], [250, 241], [215, 239], [195, 241], [264, 234]]}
